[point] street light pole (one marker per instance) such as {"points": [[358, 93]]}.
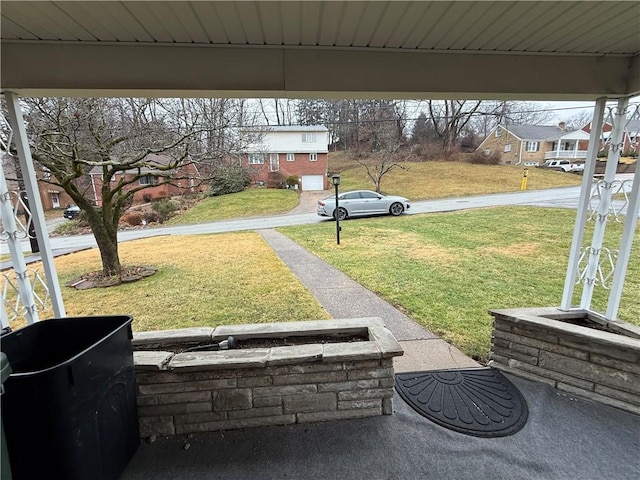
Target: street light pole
{"points": [[336, 182]]}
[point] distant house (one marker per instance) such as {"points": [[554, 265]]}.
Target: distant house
{"points": [[531, 145], [285, 151], [185, 179], [630, 137], [52, 196]]}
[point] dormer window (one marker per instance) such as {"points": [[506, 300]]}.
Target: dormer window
{"points": [[308, 138]]}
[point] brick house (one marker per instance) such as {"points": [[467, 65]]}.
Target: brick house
{"points": [[290, 151], [186, 179], [52, 196], [531, 145]]}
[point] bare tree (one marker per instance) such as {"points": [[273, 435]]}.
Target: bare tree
{"points": [[578, 120], [118, 139], [381, 147], [450, 118]]}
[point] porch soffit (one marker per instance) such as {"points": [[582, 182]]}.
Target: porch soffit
{"points": [[432, 49]]}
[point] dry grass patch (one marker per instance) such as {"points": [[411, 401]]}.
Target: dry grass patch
{"points": [[515, 250], [416, 248], [203, 280]]}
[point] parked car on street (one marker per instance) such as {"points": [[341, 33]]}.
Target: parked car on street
{"points": [[71, 212], [563, 166], [362, 202]]}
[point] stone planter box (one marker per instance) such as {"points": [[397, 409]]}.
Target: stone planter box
{"points": [[181, 393], [578, 352]]}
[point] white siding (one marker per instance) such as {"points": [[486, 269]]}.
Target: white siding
{"points": [[291, 142]]}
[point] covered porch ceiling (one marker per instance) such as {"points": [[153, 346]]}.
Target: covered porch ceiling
{"points": [[529, 50]]}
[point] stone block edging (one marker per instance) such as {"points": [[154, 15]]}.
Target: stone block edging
{"points": [[536, 344], [189, 392]]}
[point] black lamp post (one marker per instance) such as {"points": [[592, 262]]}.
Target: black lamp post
{"points": [[336, 182]]}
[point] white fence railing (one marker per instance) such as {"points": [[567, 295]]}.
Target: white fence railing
{"points": [[582, 154]]}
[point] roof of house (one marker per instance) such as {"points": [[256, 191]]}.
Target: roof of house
{"points": [[148, 163], [291, 128], [540, 133]]}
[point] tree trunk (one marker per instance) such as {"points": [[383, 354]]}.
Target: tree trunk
{"points": [[108, 247]]}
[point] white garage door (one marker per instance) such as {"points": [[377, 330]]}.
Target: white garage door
{"points": [[312, 182]]}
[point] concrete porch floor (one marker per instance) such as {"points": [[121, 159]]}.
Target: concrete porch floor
{"points": [[564, 438]]}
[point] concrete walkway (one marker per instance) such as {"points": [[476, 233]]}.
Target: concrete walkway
{"points": [[345, 298]]}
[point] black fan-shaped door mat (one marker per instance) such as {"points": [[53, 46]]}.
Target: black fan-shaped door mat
{"points": [[476, 401]]}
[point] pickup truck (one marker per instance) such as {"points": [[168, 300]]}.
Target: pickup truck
{"points": [[563, 166]]}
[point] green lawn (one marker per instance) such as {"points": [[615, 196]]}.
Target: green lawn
{"points": [[446, 270], [249, 203]]}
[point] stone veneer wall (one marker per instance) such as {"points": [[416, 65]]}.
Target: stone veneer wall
{"points": [[602, 366], [206, 391]]}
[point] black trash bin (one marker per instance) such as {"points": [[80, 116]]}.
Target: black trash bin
{"points": [[69, 407]]}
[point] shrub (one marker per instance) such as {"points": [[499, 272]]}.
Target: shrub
{"points": [[430, 151], [70, 227], [275, 180], [603, 153], [480, 158], [151, 216], [291, 181], [630, 153], [229, 179], [164, 208], [132, 218], [146, 197]]}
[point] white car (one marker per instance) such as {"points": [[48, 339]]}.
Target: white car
{"points": [[362, 202]]}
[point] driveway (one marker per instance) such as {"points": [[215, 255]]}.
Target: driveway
{"points": [[308, 201]]}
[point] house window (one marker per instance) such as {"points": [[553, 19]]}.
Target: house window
{"points": [[291, 157], [148, 180], [498, 132], [313, 157], [532, 146], [274, 162], [308, 138], [55, 200], [256, 159], [507, 147], [487, 151]]}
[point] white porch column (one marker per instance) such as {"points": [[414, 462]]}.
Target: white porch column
{"points": [[595, 250], [31, 186], [624, 251], [17, 258], [583, 203]]}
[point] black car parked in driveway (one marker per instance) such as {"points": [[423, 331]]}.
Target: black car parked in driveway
{"points": [[71, 212]]}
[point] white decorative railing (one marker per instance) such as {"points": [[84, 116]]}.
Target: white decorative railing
{"points": [[620, 191], [14, 306], [582, 154]]}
